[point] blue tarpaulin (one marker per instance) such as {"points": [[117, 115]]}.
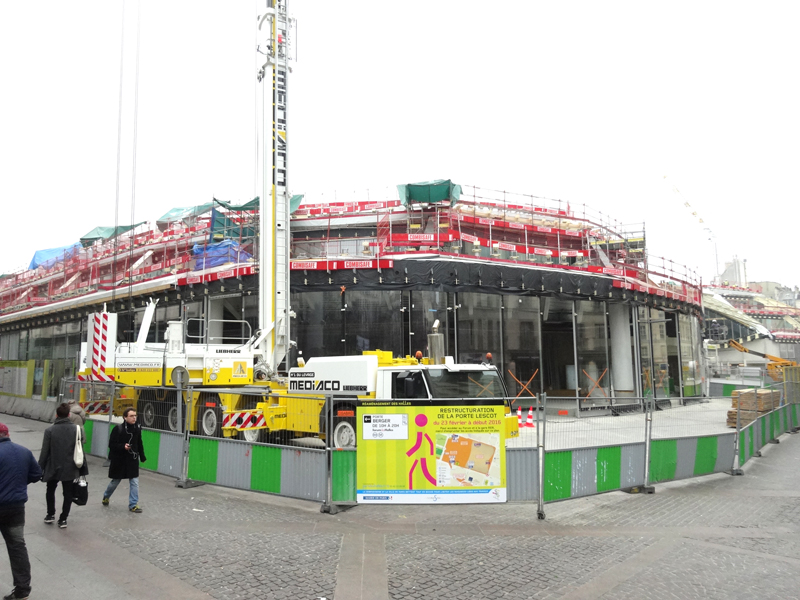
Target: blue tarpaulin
{"points": [[214, 255], [49, 258]]}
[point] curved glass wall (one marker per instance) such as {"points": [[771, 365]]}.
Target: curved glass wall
{"points": [[334, 323], [478, 328], [559, 346], [654, 352], [521, 361], [689, 362], [559, 374], [426, 309], [594, 380]]}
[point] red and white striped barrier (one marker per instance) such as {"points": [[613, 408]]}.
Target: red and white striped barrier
{"points": [[95, 408], [99, 344], [244, 420]]}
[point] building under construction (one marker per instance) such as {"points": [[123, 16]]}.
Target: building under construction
{"points": [[563, 300]]}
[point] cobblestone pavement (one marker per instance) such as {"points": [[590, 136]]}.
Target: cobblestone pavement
{"points": [[712, 537]]}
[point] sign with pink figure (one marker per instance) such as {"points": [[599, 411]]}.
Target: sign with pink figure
{"points": [[420, 452]]}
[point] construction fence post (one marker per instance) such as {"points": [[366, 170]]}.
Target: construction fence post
{"points": [[541, 418], [183, 480], [328, 506], [648, 437], [736, 466]]}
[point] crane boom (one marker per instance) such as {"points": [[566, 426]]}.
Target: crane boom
{"points": [[273, 54], [775, 364]]}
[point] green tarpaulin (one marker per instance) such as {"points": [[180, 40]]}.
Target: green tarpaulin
{"points": [[439, 190], [252, 205], [105, 233], [224, 227], [187, 215]]}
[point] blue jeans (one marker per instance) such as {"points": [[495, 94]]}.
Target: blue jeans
{"points": [[133, 498], [12, 525]]}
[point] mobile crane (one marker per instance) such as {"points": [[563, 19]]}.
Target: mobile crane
{"points": [[241, 392]]}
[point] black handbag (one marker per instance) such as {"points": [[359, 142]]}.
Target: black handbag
{"points": [[80, 491]]}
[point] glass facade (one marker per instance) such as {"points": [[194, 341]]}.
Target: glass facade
{"points": [[592, 348], [559, 372], [540, 344], [425, 309], [521, 346], [654, 352], [690, 371], [478, 328]]}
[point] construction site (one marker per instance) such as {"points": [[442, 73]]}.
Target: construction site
{"points": [[561, 299]]}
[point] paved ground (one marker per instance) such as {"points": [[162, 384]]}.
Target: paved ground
{"points": [[703, 418], [714, 537]]}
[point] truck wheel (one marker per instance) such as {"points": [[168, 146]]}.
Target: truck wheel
{"points": [[210, 421], [254, 435], [149, 415], [172, 419], [344, 433]]}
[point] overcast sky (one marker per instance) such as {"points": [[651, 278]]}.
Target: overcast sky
{"points": [[634, 109]]}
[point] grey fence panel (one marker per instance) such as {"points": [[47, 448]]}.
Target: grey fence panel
{"points": [[234, 460], [725, 451], [304, 473], [632, 467], [522, 474], [687, 455], [749, 446], [170, 454], [584, 472], [100, 432]]}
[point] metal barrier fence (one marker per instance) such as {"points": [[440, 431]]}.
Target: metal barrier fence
{"points": [[590, 455], [175, 445], [555, 457]]}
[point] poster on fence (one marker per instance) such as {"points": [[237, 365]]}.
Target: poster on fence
{"points": [[424, 452]]}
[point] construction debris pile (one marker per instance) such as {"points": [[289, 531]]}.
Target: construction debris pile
{"points": [[752, 404]]}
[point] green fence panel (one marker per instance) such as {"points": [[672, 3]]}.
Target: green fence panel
{"points": [[265, 469], [728, 388], [88, 429], [557, 475], [763, 424], [203, 459], [663, 460], [705, 458], [151, 440], [794, 415], [751, 435], [609, 468], [343, 476], [742, 447]]}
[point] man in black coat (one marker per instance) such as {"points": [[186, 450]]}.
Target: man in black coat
{"points": [[125, 452], [57, 462]]}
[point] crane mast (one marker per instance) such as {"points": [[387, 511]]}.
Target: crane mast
{"points": [[273, 53]]}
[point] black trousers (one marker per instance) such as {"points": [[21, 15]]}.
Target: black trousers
{"points": [[50, 497], [12, 525]]}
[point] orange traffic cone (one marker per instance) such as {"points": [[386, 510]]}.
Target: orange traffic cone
{"points": [[529, 422], [519, 417]]}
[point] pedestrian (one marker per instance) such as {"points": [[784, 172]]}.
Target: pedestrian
{"points": [[125, 452], [57, 460], [18, 468], [76, 414]]}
